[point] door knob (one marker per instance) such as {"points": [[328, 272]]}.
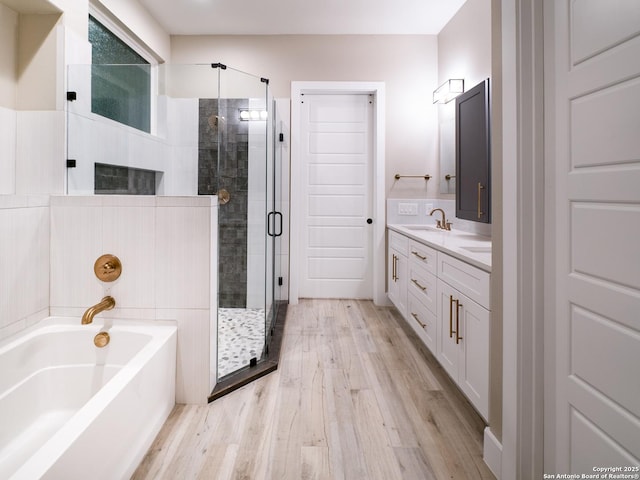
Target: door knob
{"points": [[369, 221]]}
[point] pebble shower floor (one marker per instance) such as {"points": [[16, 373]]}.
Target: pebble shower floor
{"points": [[240, 338]]}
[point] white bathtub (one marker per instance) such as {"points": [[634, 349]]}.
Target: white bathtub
{"points": [[70, 410]]}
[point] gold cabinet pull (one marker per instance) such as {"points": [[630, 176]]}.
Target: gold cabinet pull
{"points": [[458, 337], [415, 315], [393, 267], [421, 257], [450, 316], [418, 284], [480, 212]]}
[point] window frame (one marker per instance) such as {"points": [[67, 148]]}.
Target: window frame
{"points": [[118, 29]]}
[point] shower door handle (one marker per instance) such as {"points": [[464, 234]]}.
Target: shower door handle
{"points": [[279, 215], [269, 220], [269, 224]]}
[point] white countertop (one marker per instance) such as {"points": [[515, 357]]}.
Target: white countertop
{"points": [[469, 247]]}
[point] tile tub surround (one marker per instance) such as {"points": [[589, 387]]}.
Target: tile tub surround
{"points": [[25, 259], [167, 247]]}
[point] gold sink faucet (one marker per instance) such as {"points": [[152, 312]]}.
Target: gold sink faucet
{"points": [[443, 224], [107, 303]]}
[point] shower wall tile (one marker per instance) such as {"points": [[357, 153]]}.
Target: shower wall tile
{"points": [[223, 164], [181, 176], [40, 149]]}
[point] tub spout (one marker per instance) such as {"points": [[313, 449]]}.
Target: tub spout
{"points": [[107, 303]]}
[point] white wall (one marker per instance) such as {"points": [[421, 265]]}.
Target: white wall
{"points": [[24, 260], [31, 154], [406, 63]]}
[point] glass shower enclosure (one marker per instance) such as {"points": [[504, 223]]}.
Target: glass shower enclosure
{"points": [[207, 130]]}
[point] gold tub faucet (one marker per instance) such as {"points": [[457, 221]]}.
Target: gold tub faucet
{"points": [[107, 303], [443, 224]]}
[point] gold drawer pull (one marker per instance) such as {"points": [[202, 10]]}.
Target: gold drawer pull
{"points": [[415, 315], [418, 284], [421, 257], [393, 268], [458, 305], [451, 316]]}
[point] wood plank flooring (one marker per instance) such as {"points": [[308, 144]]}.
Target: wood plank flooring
{"points": [[356, 396]]}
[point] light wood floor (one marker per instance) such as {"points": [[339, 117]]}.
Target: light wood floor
{"points": [[355, 397]]}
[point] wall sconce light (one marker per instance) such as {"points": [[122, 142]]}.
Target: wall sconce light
{"points": [[247, 115], [448, 90]]}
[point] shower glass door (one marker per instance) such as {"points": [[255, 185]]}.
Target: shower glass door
{"points": [[241, 121]]}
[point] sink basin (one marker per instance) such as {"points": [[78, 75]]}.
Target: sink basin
{"points": [[424, 227], [475, 249]]}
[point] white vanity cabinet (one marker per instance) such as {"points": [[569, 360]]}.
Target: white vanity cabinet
{"points": [[397, 271], [446, 302], [463, 328]]}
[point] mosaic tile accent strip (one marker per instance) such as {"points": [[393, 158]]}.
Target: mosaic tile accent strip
{"points": [[240, 338]]}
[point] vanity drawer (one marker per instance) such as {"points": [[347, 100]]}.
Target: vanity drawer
{"points": [[423, 321], [423, 284], [398, 242], [471, 281], [426, 256]]}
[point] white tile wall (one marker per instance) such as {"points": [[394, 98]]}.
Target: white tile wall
{"points": [[8, 120], [168, 250], [24, 257], [40, 148], [173, 150], [449, 207]]}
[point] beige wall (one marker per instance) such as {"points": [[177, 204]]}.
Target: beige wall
{"points": [[464, 44], [406, 63], [8, 61], [464, 51], [39, 70], [143, 26]]}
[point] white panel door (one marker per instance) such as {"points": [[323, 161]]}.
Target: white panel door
{"points": [[597, 157], [336, 134]]}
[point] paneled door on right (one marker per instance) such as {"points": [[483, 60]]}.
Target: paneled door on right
{"points": [[595, 121], [336, 135]]}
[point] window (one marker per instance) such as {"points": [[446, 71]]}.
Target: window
{"points": [[120, 79]]}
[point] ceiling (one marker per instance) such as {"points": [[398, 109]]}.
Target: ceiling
{"points": [[314, 17]]}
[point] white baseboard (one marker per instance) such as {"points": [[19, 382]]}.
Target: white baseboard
{"points": [[492, 454]]}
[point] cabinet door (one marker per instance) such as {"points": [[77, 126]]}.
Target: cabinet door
{"points": [[473, 189], [447, 350], [397, 280], [463, 344], [473, 369]]}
